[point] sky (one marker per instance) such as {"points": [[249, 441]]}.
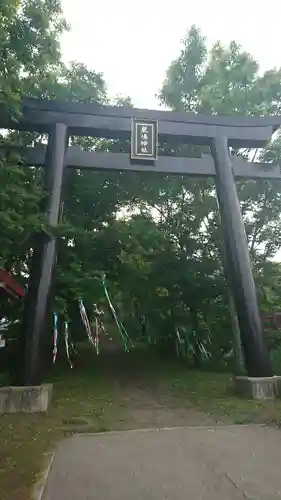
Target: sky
{"points": [[133, 42]]}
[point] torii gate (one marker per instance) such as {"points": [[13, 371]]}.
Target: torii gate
{"points": [[145, 128]]}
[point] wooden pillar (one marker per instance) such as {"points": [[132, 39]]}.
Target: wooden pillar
{"points": [[36, 320], [255, 348]]}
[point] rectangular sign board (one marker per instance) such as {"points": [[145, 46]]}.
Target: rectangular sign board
{"points": [[144, 140]]}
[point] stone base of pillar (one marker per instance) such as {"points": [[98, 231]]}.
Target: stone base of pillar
{"points": [[258, 388], [30, 399]]}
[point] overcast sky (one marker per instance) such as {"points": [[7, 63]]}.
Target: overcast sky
{"points": [[133, 42]]}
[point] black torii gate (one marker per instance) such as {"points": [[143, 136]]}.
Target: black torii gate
{"points": [[145, 127]]}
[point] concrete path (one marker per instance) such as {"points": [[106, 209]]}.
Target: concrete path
{"points": [[220, 463]]}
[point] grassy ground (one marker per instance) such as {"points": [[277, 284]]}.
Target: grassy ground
{"points": [[129, 391]]}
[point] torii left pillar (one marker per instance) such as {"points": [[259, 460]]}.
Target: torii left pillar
{"points": [[36, 318]]}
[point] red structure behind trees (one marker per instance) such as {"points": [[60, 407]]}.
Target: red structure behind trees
{"points": [[9, 286]]}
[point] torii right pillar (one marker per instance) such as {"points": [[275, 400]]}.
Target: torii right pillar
{"points": [[260, 383]]}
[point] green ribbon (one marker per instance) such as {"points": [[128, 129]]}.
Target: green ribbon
{"points": [[121, 328]]}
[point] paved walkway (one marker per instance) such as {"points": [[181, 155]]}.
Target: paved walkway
{"points": [[221, 463]]}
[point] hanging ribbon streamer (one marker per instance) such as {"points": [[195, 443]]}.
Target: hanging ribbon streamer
{"points": [[102, 327], [97, 336], [202, 349], [99, 322], [86, 322], [122, 330], [55, 340], [71, 345], [99, 328], [66, 341]]}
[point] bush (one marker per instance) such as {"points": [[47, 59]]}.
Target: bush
{"points": [[5, 379], [276, 360]]}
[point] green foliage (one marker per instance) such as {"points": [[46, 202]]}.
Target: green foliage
{"points": [[276, 360], [228, 81], [29, 46]]}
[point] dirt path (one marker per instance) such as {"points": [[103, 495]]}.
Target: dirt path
{"points": [[142, 408], [144, 403]]}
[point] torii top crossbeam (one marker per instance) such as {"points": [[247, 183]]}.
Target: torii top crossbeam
{"points": [[115, 122]]}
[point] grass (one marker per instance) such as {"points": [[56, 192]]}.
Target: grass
{"points": [[91, 398], [213, 394], [27, 440]]}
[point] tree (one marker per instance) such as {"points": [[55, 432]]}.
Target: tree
{"points": [[227, 81], [29, 33]]}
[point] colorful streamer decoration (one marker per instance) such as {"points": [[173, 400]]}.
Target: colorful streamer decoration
{"points": [[71, 345], [55, 338], [97, 340], [86, 322], [66, 342], [96, 327], [122, 330], [99, 328]]}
